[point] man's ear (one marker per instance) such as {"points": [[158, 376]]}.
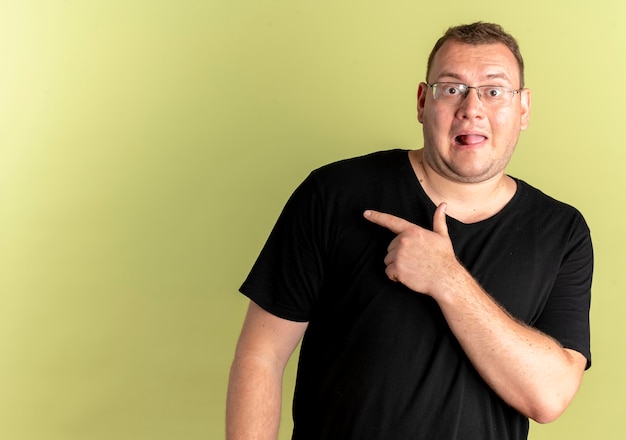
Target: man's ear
{"points": [[525, 101], [421, 99]]}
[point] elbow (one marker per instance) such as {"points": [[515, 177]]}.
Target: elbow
{"points": [[548, 409], [547, 415], [552, 399]]}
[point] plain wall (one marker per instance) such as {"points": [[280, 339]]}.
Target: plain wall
{"points": [[147, 147]]}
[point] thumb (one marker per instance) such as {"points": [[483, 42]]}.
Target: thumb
{"points": [[439, 220]]}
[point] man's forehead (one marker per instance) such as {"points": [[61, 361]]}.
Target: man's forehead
{"points": [[457, 60], [462, 75]]}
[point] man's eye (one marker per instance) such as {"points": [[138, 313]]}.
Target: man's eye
{"points": [[493, 92], [450, 90]]}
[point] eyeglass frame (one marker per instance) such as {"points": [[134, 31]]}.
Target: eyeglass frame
{"points": [[468, 87]]}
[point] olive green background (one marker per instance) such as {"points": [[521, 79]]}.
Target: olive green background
{"points": [[146, 148]]}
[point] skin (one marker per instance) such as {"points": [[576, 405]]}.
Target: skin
{"points": [[489, 64], [528, 369]]}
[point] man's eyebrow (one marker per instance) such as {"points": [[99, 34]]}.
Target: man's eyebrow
{"points": [[498, 76]]}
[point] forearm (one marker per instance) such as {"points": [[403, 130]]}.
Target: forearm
{"points": [[526, 368], [254, 400]]}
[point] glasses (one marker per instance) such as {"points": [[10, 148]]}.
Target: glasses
{"points": [[453, 93]]}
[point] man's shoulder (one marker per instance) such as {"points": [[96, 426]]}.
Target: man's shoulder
{"points": [[377, 160], [544, 204], [362, 180]]}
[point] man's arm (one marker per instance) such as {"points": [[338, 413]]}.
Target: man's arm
{"points": [[255, 387], [526, 368]]}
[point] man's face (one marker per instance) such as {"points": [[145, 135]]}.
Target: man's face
{"points": [[472, 141]]}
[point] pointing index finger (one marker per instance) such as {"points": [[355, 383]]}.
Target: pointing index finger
{"points": [[389, 221]]}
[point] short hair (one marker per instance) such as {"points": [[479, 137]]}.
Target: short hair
{"points": [[476, 34]]}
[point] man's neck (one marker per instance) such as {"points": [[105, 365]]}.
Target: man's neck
{"points": [[467, 202]]}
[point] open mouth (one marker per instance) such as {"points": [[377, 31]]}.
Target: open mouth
{"points": [[469, 139]]}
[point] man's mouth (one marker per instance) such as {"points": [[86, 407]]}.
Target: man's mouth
{"points": [[469, 139]]}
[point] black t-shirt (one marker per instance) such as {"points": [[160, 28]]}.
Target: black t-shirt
{"points": [[379, 361]]}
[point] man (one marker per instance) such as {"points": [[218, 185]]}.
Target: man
{"points": [[437, 297]]}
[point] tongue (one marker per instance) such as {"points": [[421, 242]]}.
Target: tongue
{"points": [[470, 139]]}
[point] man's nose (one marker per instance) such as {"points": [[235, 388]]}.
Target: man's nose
{"points": [[471, 106]]}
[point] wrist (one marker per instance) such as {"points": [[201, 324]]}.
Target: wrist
{"points": [[456, 284]]}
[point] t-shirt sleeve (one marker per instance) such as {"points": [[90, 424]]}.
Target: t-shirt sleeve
{"points": [[566, 314], [287, 274]]}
